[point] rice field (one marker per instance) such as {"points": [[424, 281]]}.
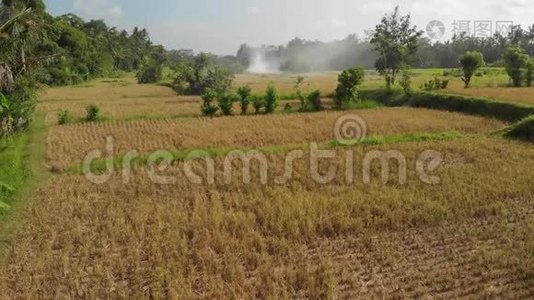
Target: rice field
{"points": [[494, 85], [470, 234], [118, 99], [69, 144], [124, 99]]}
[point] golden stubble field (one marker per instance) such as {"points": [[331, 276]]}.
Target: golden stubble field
{"points": [[124, 99], [470, 236], [69, 144], [119, 98]]}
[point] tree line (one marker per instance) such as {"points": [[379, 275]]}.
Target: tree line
{"points": [[39, 49], [299, 56]]}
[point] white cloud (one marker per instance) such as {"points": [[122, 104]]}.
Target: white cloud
{"points": [[98, 9]]}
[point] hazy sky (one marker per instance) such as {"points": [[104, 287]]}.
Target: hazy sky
{"points": [[220, 26]]}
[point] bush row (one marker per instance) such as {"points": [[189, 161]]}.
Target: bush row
{"points": [[506, 111], [92, 114]]}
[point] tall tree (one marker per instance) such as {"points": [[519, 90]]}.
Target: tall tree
{"points": [[395, 39]]}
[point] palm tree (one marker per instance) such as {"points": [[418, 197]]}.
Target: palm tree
{"points": [[7, 26], [20, 28]]}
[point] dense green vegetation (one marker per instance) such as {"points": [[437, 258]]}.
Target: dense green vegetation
{"points": [[40, 49], [13, 166], [195, 74], [523, 130], [69, 50]]}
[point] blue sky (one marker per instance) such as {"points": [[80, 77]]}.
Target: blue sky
{"points": [[220, 26]]}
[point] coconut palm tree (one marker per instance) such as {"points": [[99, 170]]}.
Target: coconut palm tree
{"points": [[20, 29], [8, 21]]}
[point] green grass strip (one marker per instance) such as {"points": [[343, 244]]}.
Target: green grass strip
{"points": [[99, 165], [22, 173], [13, 168], [376, 140]]}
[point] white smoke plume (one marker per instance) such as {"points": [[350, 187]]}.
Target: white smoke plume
{"points": [[261, 64]]}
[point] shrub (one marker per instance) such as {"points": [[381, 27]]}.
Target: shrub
{"points": [[64, 117], [515, 62], [435, 84], [347, 89], [200, 74], [218, 79], [406, 80], [258, 104], [271, 99], [244, 93], [298, 92], [288, 108], [523, 130], [208, 107], [471, 61], [150, 73], [226, 103], [92, 113], [313, 101]]}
